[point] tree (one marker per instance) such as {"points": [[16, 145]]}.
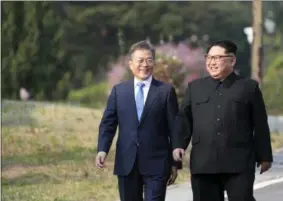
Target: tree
{"points": [[34, 57]]}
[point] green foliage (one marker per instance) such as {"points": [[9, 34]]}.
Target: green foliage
{"points": [[88, 79], [63, 87], [273, 86], [53, 47], [273, 75], [34, 57], [91, 96]]}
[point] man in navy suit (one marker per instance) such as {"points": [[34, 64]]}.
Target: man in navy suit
{"points": [[144, 109]]}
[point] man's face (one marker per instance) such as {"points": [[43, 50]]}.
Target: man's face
{"points": [[141, 64], [218, 63]]}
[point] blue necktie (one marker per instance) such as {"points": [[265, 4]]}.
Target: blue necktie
{"points": [[140, 99]]}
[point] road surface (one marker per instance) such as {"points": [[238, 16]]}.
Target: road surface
{"points": [[264, 189], [273, 192]]}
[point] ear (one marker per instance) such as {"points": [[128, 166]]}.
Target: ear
{"points": [[233, 61], [130, 63]]}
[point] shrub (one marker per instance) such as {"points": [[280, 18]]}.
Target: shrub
{"points": [[273, 86], [170, 70], [90, 96]]}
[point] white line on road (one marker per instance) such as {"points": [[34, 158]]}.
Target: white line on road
{"points": [[263, 184], [267, 183]]}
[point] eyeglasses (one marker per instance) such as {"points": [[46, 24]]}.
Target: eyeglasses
{"points": [[148, 61], [216, 58]]}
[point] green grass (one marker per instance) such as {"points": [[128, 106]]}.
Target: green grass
{"points": [[48, 154]]}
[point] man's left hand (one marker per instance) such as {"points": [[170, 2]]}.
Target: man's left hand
{"points": [[173, 176]]}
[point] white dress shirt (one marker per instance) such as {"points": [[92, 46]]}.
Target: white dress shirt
{"points": [[146, 87]]}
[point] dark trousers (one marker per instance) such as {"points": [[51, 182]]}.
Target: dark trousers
{"points": [[210, 187], [132, 186]]}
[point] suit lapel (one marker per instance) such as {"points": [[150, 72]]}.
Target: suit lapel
{"points": [[152, 94]]}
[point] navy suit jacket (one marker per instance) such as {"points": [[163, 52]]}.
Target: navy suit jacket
{"points": [[146, 142]]}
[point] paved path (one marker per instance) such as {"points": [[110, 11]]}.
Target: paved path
{"points": [[275, 123], [182, 192], [273, 193]]}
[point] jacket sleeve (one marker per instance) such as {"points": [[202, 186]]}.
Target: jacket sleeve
{"points": [[183, 122], [261, 129], [172, 109], [108, 124]]}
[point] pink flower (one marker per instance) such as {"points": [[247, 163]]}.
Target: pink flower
{"points": [[192, 59]]}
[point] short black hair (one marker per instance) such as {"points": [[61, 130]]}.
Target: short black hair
{"points": [[228, 45], [142, 45]]}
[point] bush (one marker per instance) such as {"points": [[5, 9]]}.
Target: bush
{"points": [[92, 96], [273, 87], [170, 70]]}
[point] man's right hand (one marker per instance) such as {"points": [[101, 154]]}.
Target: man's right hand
{"points": [[265, 165], [100, 159], [178, 154]]}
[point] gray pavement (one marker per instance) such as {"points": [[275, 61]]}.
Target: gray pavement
{"points": [[273, 192], [183, 192], [275, 123]]}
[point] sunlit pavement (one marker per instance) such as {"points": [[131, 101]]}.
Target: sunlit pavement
{"points": [[268, 186]]}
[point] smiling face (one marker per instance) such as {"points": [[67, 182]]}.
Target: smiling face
{"points": [[141, 63], [219, 64]]}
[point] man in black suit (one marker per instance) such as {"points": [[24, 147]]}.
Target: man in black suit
{"points": [[144, 109], [227, 121]]}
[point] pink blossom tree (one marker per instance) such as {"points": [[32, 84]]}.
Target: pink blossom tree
{"points": [[177, 64]]}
